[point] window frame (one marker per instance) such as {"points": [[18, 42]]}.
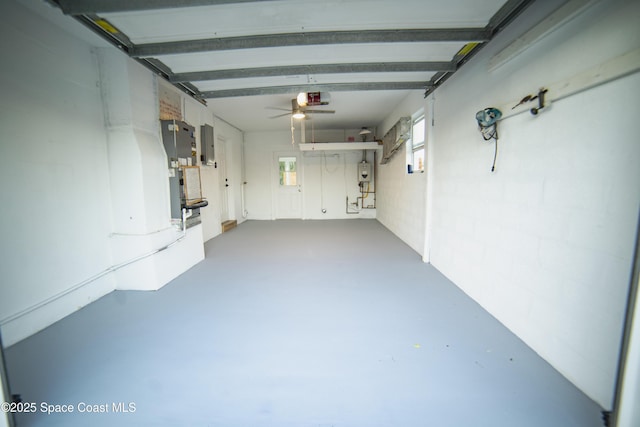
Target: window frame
{"points": [[413, 148], [288, 177]]}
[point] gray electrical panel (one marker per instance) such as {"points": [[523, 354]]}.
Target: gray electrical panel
{"points": [[206, 142], [180, 145]]}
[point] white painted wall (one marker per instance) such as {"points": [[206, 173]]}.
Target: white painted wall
{"points": [[4, 417], [139, 180], [234, 141], [211, 176], [137, 161], [402, 205], [629, 411], [86, 173], [329, 177], [5, 392], [332, 176], [545, 242], [196, 115], [56, 201]]}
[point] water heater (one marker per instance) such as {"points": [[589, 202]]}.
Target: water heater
{"points": [[364, 172]]}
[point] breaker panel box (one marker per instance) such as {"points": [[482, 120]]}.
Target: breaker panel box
{"points": [[179, 143], [206, 142]]}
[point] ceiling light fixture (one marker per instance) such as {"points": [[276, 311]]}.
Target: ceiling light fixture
{"points": [[298, 114], [363, 133], [302, 99]]}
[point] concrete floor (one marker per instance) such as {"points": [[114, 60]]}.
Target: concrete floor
{"points": [[295, 324]]}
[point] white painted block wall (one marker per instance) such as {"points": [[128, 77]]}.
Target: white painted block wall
{"points": [[545, 242], [402, 204]]}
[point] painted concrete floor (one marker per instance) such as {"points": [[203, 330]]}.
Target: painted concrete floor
{"points": [[294, 324]]}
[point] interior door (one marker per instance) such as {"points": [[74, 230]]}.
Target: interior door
{"points": [[224, 179], [288, 185]]}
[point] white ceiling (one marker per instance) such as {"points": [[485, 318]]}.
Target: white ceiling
{"points": [[290, 16], [275, 34]]}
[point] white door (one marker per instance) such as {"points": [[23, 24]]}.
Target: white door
{"points": [[288, 185], [224, 179]]}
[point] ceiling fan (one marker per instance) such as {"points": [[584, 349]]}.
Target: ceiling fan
{"points": [[298, 112]]}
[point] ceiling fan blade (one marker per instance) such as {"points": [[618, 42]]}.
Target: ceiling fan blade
{"points": [[277, 108], [280, 115], [319, 111]]}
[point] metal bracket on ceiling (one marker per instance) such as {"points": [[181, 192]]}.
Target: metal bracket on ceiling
{"points": [[503, 17], [85, 12]]}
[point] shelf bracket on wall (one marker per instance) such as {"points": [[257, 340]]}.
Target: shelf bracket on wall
{"points": [[540, 97], [608, 71]]}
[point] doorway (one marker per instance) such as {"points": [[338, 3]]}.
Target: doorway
{"points": [[221, 146], [288, 186]]}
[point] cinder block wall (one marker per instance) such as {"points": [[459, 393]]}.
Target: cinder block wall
{"points": [[544, 243]]}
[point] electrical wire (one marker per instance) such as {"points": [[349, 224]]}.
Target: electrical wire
{"points": [[313, 131], [495, 154], [346, 189], [489, 133], [344, 170], [140, 234], [323, 163], [324, 155]]}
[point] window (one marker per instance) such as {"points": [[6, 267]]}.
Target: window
{"points": [[415, 146], [287, 171]]}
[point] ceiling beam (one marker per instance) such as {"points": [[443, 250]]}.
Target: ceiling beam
{"points": [[118, 39], [331, 87], [313, 38], [507, 13], [376, 67], [86, 11], [498, 22], [83, 7]]}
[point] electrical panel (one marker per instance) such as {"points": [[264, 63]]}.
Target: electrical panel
{"points": [[364, 172], [208, 156], [179, 143]]}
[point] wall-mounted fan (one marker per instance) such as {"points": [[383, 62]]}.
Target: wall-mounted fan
{"points": [[298, 112]]}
